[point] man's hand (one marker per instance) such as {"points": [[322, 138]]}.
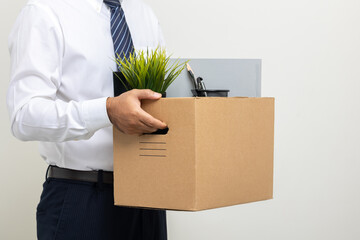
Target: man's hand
{"points": [[126, 114]]}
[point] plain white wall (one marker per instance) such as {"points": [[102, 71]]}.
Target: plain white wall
{"points": [[22, 169], [311, 65]]}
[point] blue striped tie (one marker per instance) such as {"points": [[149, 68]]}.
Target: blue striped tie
{"points": [[123, 44]]}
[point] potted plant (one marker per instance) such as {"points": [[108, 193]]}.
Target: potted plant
{"points": [[150, 69]]}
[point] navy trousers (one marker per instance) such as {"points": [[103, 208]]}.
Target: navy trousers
{"points": [[82, 210]]}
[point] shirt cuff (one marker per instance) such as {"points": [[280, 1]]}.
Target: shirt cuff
{"points": [[95, 114]]}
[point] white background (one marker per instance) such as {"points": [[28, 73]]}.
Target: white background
{"points": [[311, 65]]}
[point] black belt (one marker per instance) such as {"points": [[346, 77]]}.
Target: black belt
{"points": [[86, 176]]}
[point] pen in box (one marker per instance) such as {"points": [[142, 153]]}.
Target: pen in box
{"points": [[192, 75]]}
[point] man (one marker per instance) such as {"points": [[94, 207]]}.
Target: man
{"points": [[62, 55]]}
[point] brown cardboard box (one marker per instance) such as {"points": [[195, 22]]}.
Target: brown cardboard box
{"points": [[218, 152]]}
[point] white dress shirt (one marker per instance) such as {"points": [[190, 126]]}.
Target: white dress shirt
{"points": [[62, 59]]}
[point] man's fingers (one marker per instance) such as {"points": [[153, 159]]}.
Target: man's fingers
{"points": [[125, 112], [147, 94], [140, 129], [150, 121], [146, 129]]}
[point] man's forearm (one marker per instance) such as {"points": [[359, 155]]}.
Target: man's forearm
{"points": [[49, 120]]}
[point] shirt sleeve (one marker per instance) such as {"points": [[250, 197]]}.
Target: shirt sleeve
{"points": [[36, 113]]}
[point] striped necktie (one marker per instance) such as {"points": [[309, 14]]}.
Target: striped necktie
{"points": [[120, 33]]}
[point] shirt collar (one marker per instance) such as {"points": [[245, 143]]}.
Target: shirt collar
{"points": [[97, 4]]}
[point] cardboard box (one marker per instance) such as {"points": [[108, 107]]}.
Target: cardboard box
{"points": [[218, 152]]}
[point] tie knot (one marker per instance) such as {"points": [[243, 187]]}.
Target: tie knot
{"points": [[112, 3]]}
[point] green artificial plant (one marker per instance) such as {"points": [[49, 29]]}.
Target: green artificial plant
{"points": [[150, 69]]}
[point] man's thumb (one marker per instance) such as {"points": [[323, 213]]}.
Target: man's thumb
{"points": [[148, 94]]}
